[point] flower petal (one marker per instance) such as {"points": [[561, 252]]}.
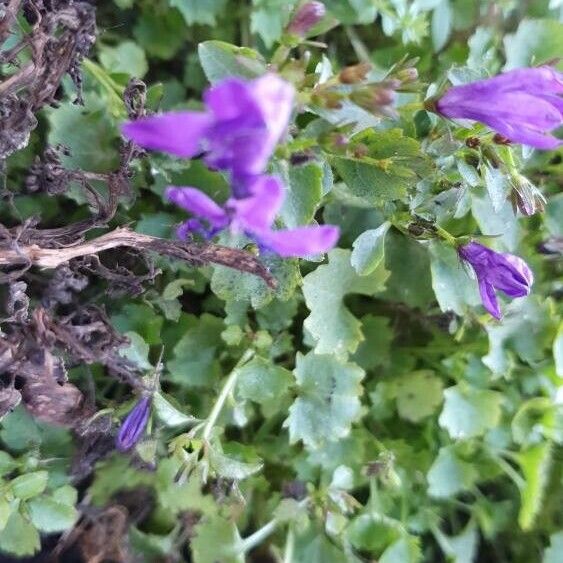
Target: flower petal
{"points": [[302, 241], [198, 203], [134, 424], [177, 133], [258, 211], [489, 298]]}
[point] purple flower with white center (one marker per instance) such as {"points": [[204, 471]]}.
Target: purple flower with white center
{"points": [[523, 105], [252, 216], [133, 427], [238, 131], [306, 17], [496, 271]]}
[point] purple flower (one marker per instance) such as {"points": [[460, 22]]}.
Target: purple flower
{"points": [[306, 17], [238, 131], [134, 424], [496, 271], [252, 216], [523, 105]]}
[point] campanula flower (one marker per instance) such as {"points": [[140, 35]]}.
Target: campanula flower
{"points": [[253, 216], [237, 132], [306, 17], [496, 271], [134, 425], [523, 105]]}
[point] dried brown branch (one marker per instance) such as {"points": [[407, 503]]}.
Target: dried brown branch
{"points": [[14, 256]]}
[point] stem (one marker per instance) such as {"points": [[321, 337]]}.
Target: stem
{"points": [[510, 471], [225, 392], [445, 235], [362, 52], [289, 546], [257, 537]]}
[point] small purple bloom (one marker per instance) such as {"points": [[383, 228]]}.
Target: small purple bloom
{"points": [[496, 271], [523, 105], [253, 216], [238, 131], [306, 17], [134, 425]]}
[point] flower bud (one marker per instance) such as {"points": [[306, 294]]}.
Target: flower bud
{"points": [[134, 425], [355, 73], [525, 196], [407, 75], [306, 17], [374, 99]]}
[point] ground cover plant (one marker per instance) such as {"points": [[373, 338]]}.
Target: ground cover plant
{"points": [[281, 281]]}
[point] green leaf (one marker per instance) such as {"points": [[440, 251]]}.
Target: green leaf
{"points": [[19, 537], [141, 319], [442, 20], [375, 349], [369, 250], [328, 400], [535, 463], [161, 32], [332, 326], [498, 186], [449, 474], [454, 289], [127, 58], [558, 351], [168, 414], [535, 42], [232, 285], [527, 329], [29, 485], [405, 550], [461, 548], [304, 187], [50, 516], [5, 511], [269, 18], [418, 394], [19, 431], [216, 539], [195, 355], [137, 351], [393, 164], [553, 553], [263, 382], [374, 532], [469, 412], [221, 60], [231, 468], [352, 11], [199, 11]]}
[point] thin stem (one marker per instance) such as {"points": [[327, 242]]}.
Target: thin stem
{"points": [[257, 537], [510, 471], [362, 52], [445, 235], [225, 392], [289, 546]]}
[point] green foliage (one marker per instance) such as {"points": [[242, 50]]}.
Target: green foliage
{"points": [[364, 408]]}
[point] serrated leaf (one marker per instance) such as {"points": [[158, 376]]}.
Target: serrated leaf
{"points": [[168, 414], [216, 539], [127, 58], [369, 250], [328, 400], [137, 351], [375, 349], [453, 287], [195, 355], [469, 412], [393, 164], [262, 382], [449, 474], [498, 187], [332, 326], [535, 463], [374, 532], [303, 192], [199, 11], [405, 550], [221, 60], [418, 394], [230, 468], [461, 548], [19, 537], [50, 516], [269, 18]]}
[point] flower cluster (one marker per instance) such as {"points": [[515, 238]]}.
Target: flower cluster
{"points": [[237, 133], [496, 271], [523, 105]]}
